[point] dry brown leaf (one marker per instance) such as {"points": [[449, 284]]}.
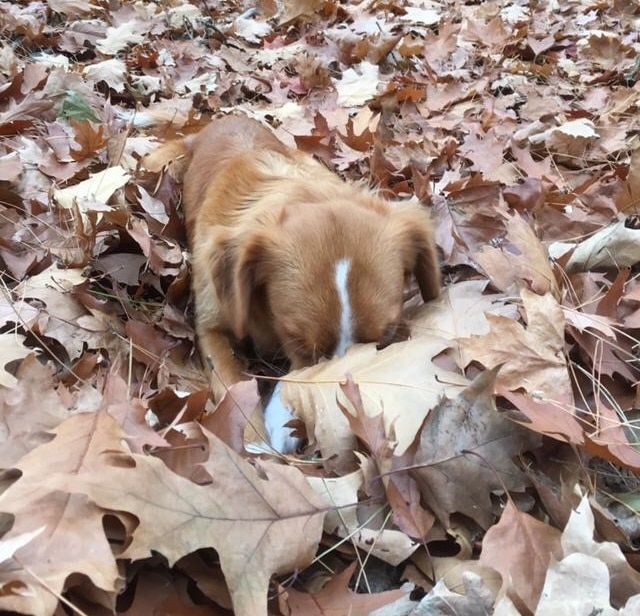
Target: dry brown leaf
{"points": [[466, 452], [23, 431], [73, 540], [532, 357], [336, 598], [400, 489], [261, 520], [521, 256], [11, 349], [520, 548], [157, 592]]}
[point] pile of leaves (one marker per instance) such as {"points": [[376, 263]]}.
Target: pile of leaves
{"points": [[486, 465]]}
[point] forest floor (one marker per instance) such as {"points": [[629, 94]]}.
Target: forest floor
{"points": [[486, 465]]}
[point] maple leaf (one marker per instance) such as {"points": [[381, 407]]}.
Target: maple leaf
{"points": [[271, 525], [520, 256], [466, 451], [534, 357], [336, 598]]}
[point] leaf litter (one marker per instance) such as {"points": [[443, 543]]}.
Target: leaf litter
{"points": [[488, 463]]}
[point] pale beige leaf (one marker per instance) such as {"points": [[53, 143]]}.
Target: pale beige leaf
{"points": [[358, 85], [421, 16], [10, 167], [21, 431], [251, 30], [61, 311], [399, 381], [474, 599], [118, 38], [460, 311], [391, 546], [113, 72], [99, 188], [613, 247], [294, 8], [578, 538], [8, 547], [578, 584]]}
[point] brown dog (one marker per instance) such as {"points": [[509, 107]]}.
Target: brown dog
{"points": [[285, 252]]}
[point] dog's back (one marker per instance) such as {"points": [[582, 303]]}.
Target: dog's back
{"points": [[224, 141]]}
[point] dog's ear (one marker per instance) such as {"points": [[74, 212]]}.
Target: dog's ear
{"points": [[240, 266], [413, 233]]}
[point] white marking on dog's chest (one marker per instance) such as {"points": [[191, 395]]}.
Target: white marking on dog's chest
{"points": [[345, 337]]}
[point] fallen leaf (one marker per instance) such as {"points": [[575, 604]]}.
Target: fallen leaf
{"points": [[271, 525], [534, 359], [357, 85], [521, 256], [399, 382], [336, 598], [73, 539], [345, 519], [97, 189], [466, 452], [520, 548], [11, 349]]}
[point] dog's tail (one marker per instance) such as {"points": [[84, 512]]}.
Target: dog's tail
{"points": [[173, 157]]}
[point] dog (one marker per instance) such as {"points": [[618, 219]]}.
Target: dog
{"points": [[286, 253]]}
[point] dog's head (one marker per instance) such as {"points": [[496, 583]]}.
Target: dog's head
{"points": [[327, 278]]}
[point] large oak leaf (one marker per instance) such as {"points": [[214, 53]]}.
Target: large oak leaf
{"points": [[73, 539], [261, 519]]}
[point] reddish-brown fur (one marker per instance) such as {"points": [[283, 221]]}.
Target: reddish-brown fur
{"points": [[267, 225]]}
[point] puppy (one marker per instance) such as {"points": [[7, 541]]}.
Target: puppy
{"points": [[286, 253]]}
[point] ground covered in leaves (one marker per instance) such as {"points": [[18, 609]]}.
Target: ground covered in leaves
{"points": [[486, 465]]}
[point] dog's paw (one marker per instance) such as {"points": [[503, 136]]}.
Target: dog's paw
{"points": [[276, 415]]}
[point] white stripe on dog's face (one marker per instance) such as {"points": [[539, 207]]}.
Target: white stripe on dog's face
{"points": [[345, 336]]}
